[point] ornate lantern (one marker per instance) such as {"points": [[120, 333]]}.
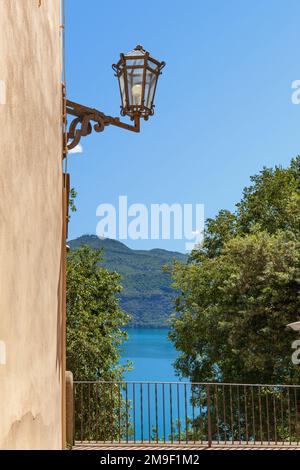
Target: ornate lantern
{"points": [[138, 73]]}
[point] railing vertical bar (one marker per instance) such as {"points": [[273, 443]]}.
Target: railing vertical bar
{"points": [[120, 404], [89, 405], [282, 414], [185, 415], [149, 414], [81, 406], [171, 413], [127, 424], [142, 417], [98, 404], [75, 411], [231, 415], [260, 415], [275, 416], [296, 416], [103, 390], [201, 421], [217, 412], [209, 433], [239, 413], [224, 413], [289, 414], [112, 414], [178, 415], [164, 411], [246, 414], [133, 404], [253, 416], [193, 413], [268, 422], [156, 414], [102, 411]]}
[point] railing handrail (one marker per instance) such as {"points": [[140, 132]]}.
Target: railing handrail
{"points": [[186, 412], [182, 383]]}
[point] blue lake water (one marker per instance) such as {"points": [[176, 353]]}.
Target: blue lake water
{"points": [[156, 410], [151, 353]]}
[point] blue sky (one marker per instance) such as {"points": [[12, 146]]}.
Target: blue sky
{"points": [[223, 103]]}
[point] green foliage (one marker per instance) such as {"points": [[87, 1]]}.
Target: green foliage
{"points": [[147, 294], [95, 332], [240, 290], [95, 321], [218, 231], [72, 197], [272, 201], [101, 412]]}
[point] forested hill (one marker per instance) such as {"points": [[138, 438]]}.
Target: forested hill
{"points": [[147, 294]]}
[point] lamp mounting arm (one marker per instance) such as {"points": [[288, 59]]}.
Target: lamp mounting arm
{"points": [[83, 116]]}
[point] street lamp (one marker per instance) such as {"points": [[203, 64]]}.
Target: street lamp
{"points": [[137, 73]]}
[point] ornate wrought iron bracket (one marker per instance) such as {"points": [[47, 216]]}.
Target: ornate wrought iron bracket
{"points": [[81, 126]]}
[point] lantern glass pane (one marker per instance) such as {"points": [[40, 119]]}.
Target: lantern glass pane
{"points": [[135, 71], [150, 88], [135, 86], [152, 65], [135, 62], [122, 90]]}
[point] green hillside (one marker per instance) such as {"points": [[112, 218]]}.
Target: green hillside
{"points": [[147, 294]]}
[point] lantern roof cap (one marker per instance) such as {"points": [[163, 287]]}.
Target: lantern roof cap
{"points": [[137, 51]]}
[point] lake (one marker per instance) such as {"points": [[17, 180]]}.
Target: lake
{"points": [[157, 411], [151, 353]]}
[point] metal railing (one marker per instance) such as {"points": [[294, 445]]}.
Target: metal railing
{"points": [[186, 413]]}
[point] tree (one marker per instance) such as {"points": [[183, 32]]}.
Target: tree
{"points": [[95, 321], [95, 333], [241, 288]]}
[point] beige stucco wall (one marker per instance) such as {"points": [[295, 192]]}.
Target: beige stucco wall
{"points": [[30, 224]]}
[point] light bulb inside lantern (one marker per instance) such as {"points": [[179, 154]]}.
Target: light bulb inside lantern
{"points": [[137, 94]]}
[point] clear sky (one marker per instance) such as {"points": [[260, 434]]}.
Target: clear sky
{"points": [[223, 103]]}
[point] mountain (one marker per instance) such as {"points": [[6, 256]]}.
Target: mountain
{"points": [[146, 294]]}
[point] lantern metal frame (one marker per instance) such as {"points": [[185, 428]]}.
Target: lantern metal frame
{"points": [[81, 125], [138, 63]]}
